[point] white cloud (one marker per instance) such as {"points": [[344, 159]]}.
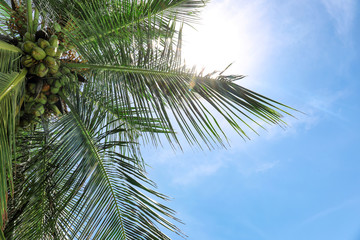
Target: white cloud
{"points": [[266, 166], [196, 172], [343, 13], [328, 211]]}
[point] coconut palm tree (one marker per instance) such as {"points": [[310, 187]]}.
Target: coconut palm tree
{"points": [[82, 84]]}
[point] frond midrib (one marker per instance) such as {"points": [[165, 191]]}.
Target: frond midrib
{"points": [[117, 68]]}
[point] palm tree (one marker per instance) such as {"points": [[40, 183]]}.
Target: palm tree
{"points": [[82, 83]]}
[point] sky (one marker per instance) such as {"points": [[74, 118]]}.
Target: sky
{"points": [[299, 183]]}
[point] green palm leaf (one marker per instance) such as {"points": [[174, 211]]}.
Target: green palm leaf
{"points": [[11, 87], [10, 57], [96, 176]]}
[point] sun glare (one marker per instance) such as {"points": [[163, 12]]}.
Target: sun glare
{"points": [[224, 37]]}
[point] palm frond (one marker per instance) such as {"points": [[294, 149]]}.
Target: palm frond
{"points": [[113, 16], [146, 69], [179, 91], [5, 11], [93, 179], [10, 57], [11, 88]]}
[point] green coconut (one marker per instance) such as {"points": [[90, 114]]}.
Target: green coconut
{"points": [[57, 75], [32, 87], [54, 90], [59, 53], [51, 51], [49, 61], [64, 80], [28, 37], [41, 99], [39, 110], [28, 61], [28, 107], [53, 69], [50, 81], [57, 27], [72, 77], [32, 70], [65, 70], [52, 99], [57, 84], [28, 46], [28, 98], [55, 109], [38, 53], [54, 41], [41, 70], [43, 43]]}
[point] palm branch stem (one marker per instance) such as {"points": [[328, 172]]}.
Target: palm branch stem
{"points": [[29, 16], [123, 69]]}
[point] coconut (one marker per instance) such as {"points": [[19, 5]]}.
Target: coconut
{"points": [[57, 84], [32, 70], [72, 77], [28, 98], [54, 41], [28, 61], [41, 70], [28, 46], [28, 37], [52, 99], [45, 88], [28, 107], [50, 81], [38, 53], [54, 90], [65, 70], [51, 51], [32, 87], [55, 109], [41, 99], [39, 110], [57, 27], [49, 61], [57, 75], [54, 69], [43, 43], [64, 80]]}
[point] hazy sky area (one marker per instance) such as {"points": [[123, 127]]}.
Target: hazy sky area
{"points": [[302, 183]]}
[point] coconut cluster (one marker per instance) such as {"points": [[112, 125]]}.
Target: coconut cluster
{"points": [[46, 78]]}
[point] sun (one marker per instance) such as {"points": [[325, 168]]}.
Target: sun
{"points": [[222, 38]]}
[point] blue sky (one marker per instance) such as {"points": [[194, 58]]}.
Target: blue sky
{"points": [[301, 183]]}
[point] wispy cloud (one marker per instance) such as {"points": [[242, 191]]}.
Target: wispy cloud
{"points": [[266, 166], [343, 13], [325, 212], [196, 172]]}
